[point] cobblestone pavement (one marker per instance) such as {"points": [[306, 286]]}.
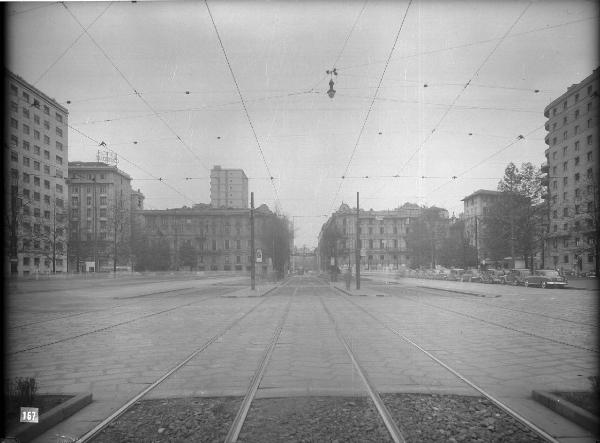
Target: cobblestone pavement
{"points": [[116, 343]]}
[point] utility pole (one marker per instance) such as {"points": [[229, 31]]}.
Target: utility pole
{"points": [[252, 253], [95, 215], [357, 243]]}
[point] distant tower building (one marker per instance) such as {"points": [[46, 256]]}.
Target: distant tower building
{"points": [[572, 168], [228, 188], [35, 158]]}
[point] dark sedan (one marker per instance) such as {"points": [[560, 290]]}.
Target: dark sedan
{"points": [[546, 278]]}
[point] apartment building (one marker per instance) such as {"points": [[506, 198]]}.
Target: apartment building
{"points": [[572, 168], [219, 238], [100, 204], [382, 237], [35, 156], [476, 206], [228, 188]]}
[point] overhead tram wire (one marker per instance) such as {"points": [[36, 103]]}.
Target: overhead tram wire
{"points": [[32, 9], [243, 102], [479, 42], [135, 90], [371, 105], [154, 177], [459, 95], [71, 45], [504, 148]]}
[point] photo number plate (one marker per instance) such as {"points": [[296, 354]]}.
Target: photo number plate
{"points": [[29, 415]]}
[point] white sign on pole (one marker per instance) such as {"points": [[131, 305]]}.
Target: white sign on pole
{"points": [[258, 255]]}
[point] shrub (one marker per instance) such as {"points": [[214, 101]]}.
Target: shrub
{"points": [[21, 392]]}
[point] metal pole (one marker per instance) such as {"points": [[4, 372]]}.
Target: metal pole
{"points": [[357, 243], [95, 224], [252, 253]]}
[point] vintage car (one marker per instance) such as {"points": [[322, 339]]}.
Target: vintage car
{"points": [[472, 275], [493, 276], [516, 277], [455, 274], [546, 278]]}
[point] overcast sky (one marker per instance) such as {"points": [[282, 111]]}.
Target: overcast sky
{"points": [[151, 80]]}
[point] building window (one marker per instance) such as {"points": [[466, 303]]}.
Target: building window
{"points": [[102, 212], [25, 178], [589, 106], [46, 110], [59, 173], [226, 244], [13, 90], [36, 196], [565, 181], [46, 169], [565, 212], [576, 160], [103, 201], [59, 117], [565, 135], [59, 146], [577, 177], [59, 188], [25, 129], [25, 161], [59, 132], [59, 160], [565, 149], [36, 119], [46, 140], [564, 121], [577, 192], [589, 90], [554, 155], [577, 208], [36, 149], [36, 213], [36, 180], [46, 125], [46, 199], [565, 105], [565, 165], [554, 185], [46, 184], [553, 141], [14, 123], [26, 145], [589, 123], [89, 201], [589, 173], [577, 113], [25, 112], [589, 140]]}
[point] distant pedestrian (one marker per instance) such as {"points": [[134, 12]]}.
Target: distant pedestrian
{"points": [[348, 277]]}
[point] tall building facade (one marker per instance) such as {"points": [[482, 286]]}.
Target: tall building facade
{"points": [[35, 156], [382, 237], [214, 239], [476, 206], [100, 203], [228, 188], [572, 168]]}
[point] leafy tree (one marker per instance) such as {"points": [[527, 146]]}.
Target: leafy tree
{"points": [[329, 243], [426, 236], [456, 251], [188, 255], [514, 223], [275, 235]]}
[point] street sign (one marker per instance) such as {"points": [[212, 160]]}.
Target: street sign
{"points": [[258, 255]]}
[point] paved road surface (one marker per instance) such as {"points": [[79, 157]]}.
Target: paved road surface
{"points": [[115, 339]]}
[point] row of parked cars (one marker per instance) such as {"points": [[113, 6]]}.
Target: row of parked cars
{"points": [[543, 278]]}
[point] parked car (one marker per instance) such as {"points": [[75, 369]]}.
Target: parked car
{"points": [[493, 276], [516, 277], [546, 278], [455, 274], [472, 275]]}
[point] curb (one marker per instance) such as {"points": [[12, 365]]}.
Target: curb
{"points": [[568, 410], [28, 431], [360, 295], [460, 292]]}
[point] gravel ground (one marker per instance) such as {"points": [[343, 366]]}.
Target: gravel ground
{"points": [[454, 418], [421, 418]]}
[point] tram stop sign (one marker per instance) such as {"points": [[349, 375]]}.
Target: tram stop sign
{"points": [[258, 255]]}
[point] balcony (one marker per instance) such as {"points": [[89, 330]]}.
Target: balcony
{"points": [[547, 152], [547, 139], [545, 168]]}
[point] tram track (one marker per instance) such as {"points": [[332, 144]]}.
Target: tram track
{"points": [[520, 418], [493, 323], [129, 403], [111, 326]]}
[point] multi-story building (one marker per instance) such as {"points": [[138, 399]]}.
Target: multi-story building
{"points": [[572, 167], [228, 188], [100, 203], [35, 153], [382, 237], [476, 206], [218, 238]]}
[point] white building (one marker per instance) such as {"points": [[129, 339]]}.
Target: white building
{"points": [[228, 188], [35, 154]]}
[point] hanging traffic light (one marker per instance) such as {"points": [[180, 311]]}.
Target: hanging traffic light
{"points": [[331, 91]]}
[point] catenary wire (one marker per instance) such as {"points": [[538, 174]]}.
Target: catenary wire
{"points": [[371, 105], [459, 95], [242, 100], [134, 89], [71, 45]]}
